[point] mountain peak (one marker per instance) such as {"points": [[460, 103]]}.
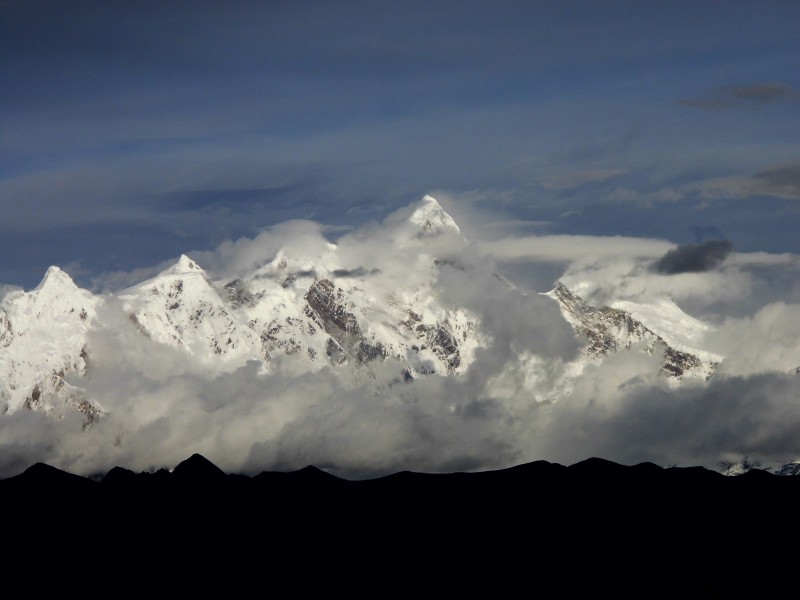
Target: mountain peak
{"points": [[198, 467], [55, 277], [184, 265], [432, 218]]}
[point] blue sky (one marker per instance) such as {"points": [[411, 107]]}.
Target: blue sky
{"points": [[135, 131]]}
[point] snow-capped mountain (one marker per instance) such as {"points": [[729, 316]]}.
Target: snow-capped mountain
{"points": [[741, 467], [182, 307], [610, 329], [43, 340], [310, 307]]}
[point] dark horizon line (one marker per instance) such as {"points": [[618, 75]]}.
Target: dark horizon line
{"points": [[197, 463]]}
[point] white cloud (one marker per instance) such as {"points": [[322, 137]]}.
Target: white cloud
{"points": [[232, 259], [7, 289], [573, 248], [767, 341]]}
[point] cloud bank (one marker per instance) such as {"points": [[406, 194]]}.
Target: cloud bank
{"points": [[511, 406]]}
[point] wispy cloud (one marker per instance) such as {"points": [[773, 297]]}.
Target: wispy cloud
{"points": [[780, 180], [572, 247], [777, 181], [574, 179], [750, 96]]}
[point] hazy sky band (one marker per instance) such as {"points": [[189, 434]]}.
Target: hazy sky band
{"points": [[134, 131]]}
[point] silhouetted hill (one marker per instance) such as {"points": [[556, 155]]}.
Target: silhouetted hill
{"points": [[593, 526], [309, 475], [197, 469], [44, 476], [120, 477]]}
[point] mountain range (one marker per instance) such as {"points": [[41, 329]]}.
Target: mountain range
{"points": [[303, 308], [309, 306]]}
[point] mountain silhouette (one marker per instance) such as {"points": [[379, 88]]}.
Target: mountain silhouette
{"points": [[594, 526], [197, 468]]}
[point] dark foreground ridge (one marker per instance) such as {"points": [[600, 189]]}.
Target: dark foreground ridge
{"points": [[593, 526]]}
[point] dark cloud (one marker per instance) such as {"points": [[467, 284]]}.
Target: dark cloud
{"points": [[693, 258], [735, 417], [765, 92], [357, 272], [782, 181], [743, 96]]}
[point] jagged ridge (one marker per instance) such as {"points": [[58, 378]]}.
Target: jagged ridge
{"points": [[608, 330], [310, 308]]}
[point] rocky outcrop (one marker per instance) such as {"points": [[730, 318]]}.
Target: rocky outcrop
{"points": [[6, 331], [328, 308], [237, 294], [608, 330], [439, 337]]}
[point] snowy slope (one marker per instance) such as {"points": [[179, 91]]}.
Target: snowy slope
{"points": [[182, 307], [610, 329], [679, 330], [43, 342]]}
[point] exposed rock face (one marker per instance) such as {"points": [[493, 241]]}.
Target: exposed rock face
{"points": [[6, 331], [328, 308], [677, 363], [331, 308], [237, 294], [43, 397], [608, 330], [439, 337]]}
